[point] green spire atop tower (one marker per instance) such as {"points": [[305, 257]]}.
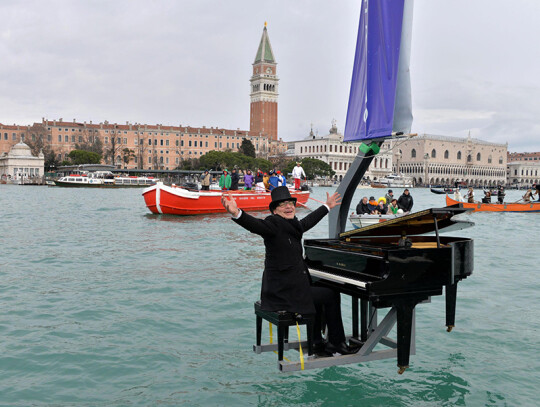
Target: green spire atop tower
{"points": [[264, 53]]}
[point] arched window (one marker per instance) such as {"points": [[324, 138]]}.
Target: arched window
{"points": [[300, 150], [433, 154], [500, 160], [478, 157], [446, 154], [459, 155], [413, 153], [330, 147], [469, 158], [489, 159]]}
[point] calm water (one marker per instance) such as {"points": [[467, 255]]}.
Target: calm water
{"points": [[104, 304]]}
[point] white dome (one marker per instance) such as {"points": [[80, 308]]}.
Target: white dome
{"points": [[20, 150]]}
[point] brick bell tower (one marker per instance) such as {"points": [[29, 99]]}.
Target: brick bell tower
{"points": [[264, 90]]}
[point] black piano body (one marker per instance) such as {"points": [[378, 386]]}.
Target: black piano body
{"points": [[395, 264]]}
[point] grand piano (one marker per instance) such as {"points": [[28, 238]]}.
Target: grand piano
{"points": [[395, 264]]}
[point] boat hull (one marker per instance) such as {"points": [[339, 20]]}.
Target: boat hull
{"points": [[496, 207], [162, 199]]}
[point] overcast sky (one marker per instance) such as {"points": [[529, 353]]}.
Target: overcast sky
{"points": [[475, 64]]}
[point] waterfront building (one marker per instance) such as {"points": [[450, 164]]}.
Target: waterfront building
{"points": [[523, 157], [523, 174], [160, 147], [339, 154], [434, 160], [20, 165]]}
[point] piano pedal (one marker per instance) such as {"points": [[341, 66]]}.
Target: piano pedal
{"points": [[449, 328], [401, 369]]}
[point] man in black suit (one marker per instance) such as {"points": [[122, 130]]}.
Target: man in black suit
{"points": [[286, 284]]}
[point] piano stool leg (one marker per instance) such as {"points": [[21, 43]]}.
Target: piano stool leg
{"points": [[259, 330], [280, 335], [405, 310], [309, 334], [286, 335], [451, 295]]}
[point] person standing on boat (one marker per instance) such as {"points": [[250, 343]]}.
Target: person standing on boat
{"points": [[286, 284], [266, 178], [281, 179], [362, 206], [298, 173], [248, 180], [470, 195], [273, 181], [259, 184], [500, 194], [235, 178], [528, 195], [405, 201], [225, 180], [206, 178], [389, 196]]}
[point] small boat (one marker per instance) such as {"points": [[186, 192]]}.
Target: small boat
{"points": [[497, 207], [103, 179], [361, 221], [378, 185], [397, 181], [173, 200]]}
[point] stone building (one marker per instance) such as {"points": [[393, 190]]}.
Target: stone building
{"points": [[156, 146], [523, 174], [20, 165], [434, 160], [339, 155]]}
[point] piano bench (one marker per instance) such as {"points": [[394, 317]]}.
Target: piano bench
{"points": [[283, 320]]}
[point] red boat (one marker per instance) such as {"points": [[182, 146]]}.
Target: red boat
{"points": [[497, 207], [162, 199]]}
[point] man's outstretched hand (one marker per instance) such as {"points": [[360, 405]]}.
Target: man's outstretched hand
{"points": [[333, 200], [229, 203]]}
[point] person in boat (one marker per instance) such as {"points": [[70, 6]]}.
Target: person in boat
{"points": [[225, 180], [362, 207], [382, 209], [393, 207], [286, 284], [372, 205], [298, 173], [487, 197], [235, 178], [259, 184], [536, 187], [500, 194], [528, 195], [470, 195], [389, 196], [273, 181], [266, 179], [206, 178], [405, 201], [248, 180], [281, 179]]}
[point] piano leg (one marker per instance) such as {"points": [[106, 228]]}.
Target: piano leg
{"points": [[363, 320], [405, 310], [354, 301], [451, 295]]}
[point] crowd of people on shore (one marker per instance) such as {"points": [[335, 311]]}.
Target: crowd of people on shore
{"points": [[386, 205], [259, 181]]}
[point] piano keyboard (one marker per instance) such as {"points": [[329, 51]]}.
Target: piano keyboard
{"points": [[335, 278]]}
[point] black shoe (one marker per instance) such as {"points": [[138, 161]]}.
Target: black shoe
{"points": [[341, 348], [319, 349]]}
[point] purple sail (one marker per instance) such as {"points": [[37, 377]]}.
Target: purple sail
{"points": [[380, 100]]}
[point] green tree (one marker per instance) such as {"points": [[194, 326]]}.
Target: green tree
{"points": [[313, 168], [127, 155], [247, 148], [219, 160], [91, 142], [77, 157]]}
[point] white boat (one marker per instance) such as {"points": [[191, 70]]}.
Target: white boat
{"points": [[361, 221], [103, 179], [397, 181]]}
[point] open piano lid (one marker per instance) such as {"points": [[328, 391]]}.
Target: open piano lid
{"points": [[418, 223]]}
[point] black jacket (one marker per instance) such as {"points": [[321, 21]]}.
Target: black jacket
{"points": [[286, 282], [405, 202], [362, 208], [234, 180]]}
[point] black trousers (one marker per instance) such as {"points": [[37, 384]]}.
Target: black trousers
{"points": [[328, 304]]}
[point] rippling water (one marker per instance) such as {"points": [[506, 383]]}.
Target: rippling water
{"points": [[104, 304]]}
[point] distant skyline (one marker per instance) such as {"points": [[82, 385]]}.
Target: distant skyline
{"points": [[474, 64]]}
